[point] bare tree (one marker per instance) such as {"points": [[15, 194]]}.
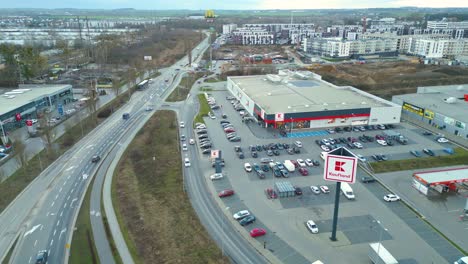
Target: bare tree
{"points": [[46, 130], [91, 103], [64, 46], [20, 149]]}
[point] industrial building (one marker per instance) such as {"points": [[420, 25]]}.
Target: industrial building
{"points": [[301, 100], [18, 105], [444, 107]]}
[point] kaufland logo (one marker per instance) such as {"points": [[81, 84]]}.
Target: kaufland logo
{"points": [[339, 165]]}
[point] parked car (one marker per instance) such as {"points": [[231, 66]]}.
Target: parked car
{"points": [[312, 226], [276, 152], [256, 232], [325, 148], [298, 144], [241, 214], [225, 193], [184, 147], [358, 145], [265, 168], [206, 151], [382, 142], [303, 171], [315, 189], [247, 220], [277, 172], [182, 124], [280, 165], [284, 173], [260, 174], [316, 162], [415, 153], [427, 133], [308, 162], [192, 141], [247, 167], [297, 190], [240, 155], [361, 158], [391, 198], [271, 193], [324, 189], [301, 163], [429, 152], [254, 154], [270, 153]]}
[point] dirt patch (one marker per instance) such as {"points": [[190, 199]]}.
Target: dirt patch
{"points": [[385, 79], [151, 203]]}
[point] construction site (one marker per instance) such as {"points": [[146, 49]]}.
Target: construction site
{"points": [[385, 79]]}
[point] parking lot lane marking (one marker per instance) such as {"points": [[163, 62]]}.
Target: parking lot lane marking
{"points": [[60, 189], [65, 205], [58, 222], [56, 196], [68, 198], [61, 214], [65, 182], [55, 231]]}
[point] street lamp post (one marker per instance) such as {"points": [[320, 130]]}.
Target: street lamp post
{"points": [[380, 236]]}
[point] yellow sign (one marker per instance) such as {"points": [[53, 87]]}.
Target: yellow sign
{"points": [[428, 114], [413, 109], [67, 245]]}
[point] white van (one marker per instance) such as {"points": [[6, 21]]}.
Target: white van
{"points": [[347, 191], [323, 155]]}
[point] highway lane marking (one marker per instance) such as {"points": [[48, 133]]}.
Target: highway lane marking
{"points": [[32, 230], [58, 222], [52, 205], [61, 214], [72, 189], [68, 198], [51, 242], [76, 184], [55, 231], [71, 204], [65, 205], [42, 227], [61, 232], [29, 259], [69, 176], [35, 243], [65, 182], [56, 196], [70, 168], [60, 189]]}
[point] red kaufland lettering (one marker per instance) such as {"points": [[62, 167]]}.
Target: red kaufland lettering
{"points": [[341, 175]]}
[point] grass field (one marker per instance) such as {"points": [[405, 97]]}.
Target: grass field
{"points": [[460, 157], [82, 246], [151, 204], [204, 109], [181, 91]]}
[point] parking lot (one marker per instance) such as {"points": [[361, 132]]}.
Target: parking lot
{"points": [[284, 218]]}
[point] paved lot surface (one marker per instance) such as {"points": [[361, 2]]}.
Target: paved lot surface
{"points": [[401, 231], [442, 210]]}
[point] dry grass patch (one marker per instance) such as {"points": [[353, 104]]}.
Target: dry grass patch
{"points": [[151, 205]]}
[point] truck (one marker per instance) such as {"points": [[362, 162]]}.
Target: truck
{"points": [[289, 165], [378, 254], [347, 191], [125, 116]]}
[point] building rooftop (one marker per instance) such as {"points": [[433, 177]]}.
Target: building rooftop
{"points": [[434, 98], [443, 175], [13, 98], [298, 91]]}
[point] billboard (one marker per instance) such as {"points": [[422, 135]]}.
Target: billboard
{"points": [[413, 109], [340, 168], [428, 114]]}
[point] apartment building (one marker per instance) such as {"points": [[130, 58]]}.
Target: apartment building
{"points": [[437, 48], [265, 34], [444, 24], [339, 48], [252, 36], [229, 28]]}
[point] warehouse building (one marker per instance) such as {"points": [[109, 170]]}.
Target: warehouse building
{"points": [[301, 100], [18, 105], [444, 107]]}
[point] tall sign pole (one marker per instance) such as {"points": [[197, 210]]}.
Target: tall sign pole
{"points": [[340, 166]]}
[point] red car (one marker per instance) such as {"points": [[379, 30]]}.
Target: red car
{"points": [[229, 130], [271, 193], [225, 193], [295, 163], [380, 137], [256, 232], [303, 171]]}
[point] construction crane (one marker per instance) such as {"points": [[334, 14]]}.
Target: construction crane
{"points": [[209, 16]]}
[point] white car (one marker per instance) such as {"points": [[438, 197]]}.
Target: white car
{"points": [[184, 147], [324, 189], [241, 214], [212, 116], [298, 144], [357, 145], [325, 148], [201, 126], [312, 226], [315, 189], [361, 158], [301, 162], [187, 162], [182, 124], [382, 142], [309, 162], [247, 167], [216, 176], [391, 198], [331, 131], [192, 141], [442, 140]]}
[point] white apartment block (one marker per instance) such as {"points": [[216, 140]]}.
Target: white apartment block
{"points": [[336, 47], [228, 28], [438, 48], [280, 27], [253, 36], [443, 24]]}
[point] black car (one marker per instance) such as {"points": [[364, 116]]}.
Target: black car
{"points": [[254, 154], [95, 158], [316, 162], [297, 190], [259, 148], [223, 121], [252, 148], [285, 145], [280, 146], [390, 143], [347, 129], [318, 142], [277, 172], [350, 145], [367, 179], [377, 157], [206, 151], [265, 168], [427, 133], [429, 152], [237, 149], [240, 155], [265, 147], [338, 130], [276, 152]]}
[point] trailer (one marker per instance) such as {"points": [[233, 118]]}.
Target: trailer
{"points": [[378, 254]]}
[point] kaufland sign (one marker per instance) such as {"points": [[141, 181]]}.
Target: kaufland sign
{"points": [[340, 168]]}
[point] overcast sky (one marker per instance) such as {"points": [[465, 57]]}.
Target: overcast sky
{"points": [[231, 4]]}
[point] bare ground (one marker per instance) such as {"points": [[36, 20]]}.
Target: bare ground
{"points": [[151, 204]]}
